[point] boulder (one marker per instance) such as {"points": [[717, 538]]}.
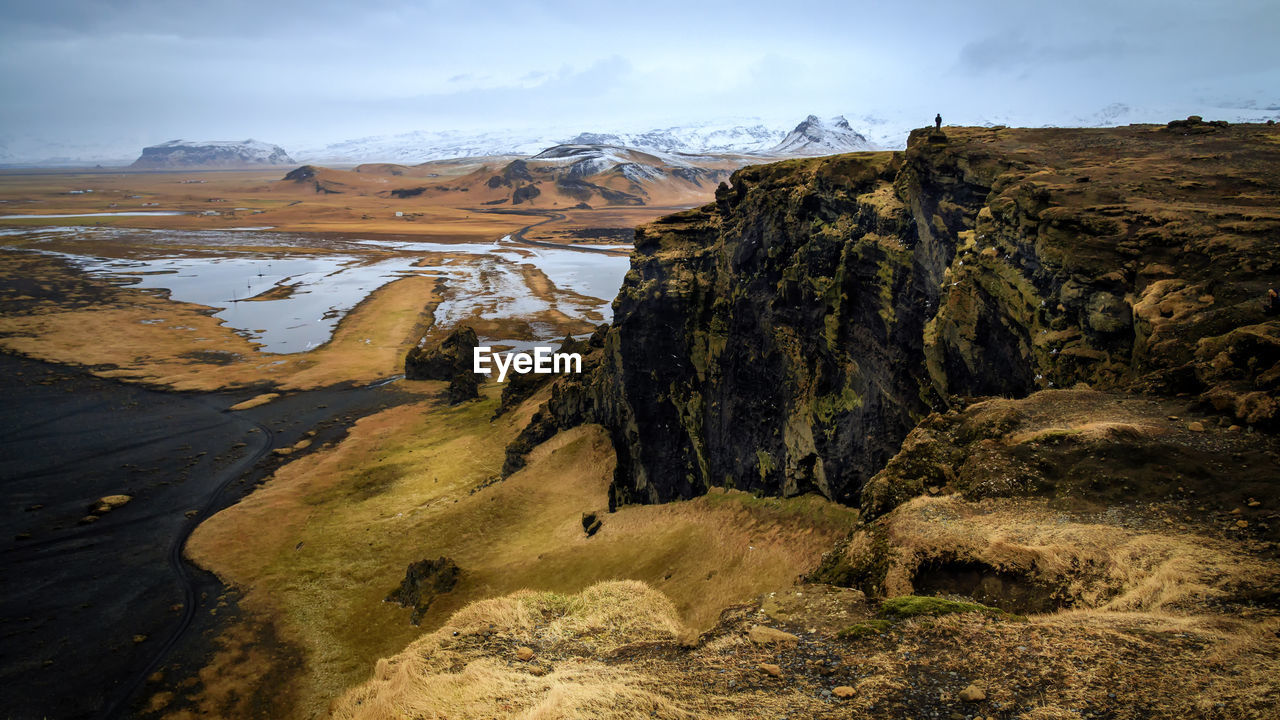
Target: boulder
{"points": [[764, 635], [108, 503], [423, 582], [590, 523]]}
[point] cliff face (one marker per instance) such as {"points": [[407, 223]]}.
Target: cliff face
{"points": [[776, 328], [788, 337]]}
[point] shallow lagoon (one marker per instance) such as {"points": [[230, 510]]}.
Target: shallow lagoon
{"points": [[123, 213], [307, 293]]}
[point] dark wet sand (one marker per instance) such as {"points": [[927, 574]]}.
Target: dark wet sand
{"points": [[87, 611]]}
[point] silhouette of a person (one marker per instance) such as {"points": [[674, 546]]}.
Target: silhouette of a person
{"points": [[937, 121]]}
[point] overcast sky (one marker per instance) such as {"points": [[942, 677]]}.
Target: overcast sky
{"points": [[133, 72]]}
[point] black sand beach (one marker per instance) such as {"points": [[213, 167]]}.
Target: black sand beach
{"points": [[89, 609]]}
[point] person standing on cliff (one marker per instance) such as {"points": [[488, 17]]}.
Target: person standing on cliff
{"points": [[937, 121]]}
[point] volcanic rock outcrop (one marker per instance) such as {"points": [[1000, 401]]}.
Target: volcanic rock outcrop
{"points": [[450, 360], [789, 336], [423, 582]]}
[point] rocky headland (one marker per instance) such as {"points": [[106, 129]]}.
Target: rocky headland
{"points": [[789, 337]]}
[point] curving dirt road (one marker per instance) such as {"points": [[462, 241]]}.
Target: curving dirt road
{"points": [[549, 216]]}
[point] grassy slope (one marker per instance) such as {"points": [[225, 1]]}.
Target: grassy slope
{"points": [[321, 544]]}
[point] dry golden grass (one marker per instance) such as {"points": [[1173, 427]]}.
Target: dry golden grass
{"points": [[1125, 665], [268, 201], [181, 345], [1108, 561], [589, 691], [608, 615], [257, 198], [255, 401], [435, 676]]}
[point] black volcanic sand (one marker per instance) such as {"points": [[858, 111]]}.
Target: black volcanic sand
{"points": [[87, 611]]}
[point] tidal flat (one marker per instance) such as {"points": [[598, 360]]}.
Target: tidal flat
{"points": [[286, 292]]}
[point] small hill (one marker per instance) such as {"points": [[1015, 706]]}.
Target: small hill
{"points": [[604, 175], [177, 154]]}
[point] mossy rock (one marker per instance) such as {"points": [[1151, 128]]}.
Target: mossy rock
{"points": [[863, 629], [423, 582], [909, 606]]}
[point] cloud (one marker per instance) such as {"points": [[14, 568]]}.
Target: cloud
{"points": [[1002, 53], [134, 71]]}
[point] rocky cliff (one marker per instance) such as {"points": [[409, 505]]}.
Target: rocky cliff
{"points": [[789, 336]]}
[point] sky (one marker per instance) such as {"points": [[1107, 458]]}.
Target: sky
{"points": [[104, 76]]}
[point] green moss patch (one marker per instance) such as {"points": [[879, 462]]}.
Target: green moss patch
{"points": [[864, 629], [909, 606]]}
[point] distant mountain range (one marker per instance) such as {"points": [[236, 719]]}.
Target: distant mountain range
{"points": [[691, 139], [735, 135], [590, 153], [423, 146], [742, 135], [811, 137], [675, 167]]}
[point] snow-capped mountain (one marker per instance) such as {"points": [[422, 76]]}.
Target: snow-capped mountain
{"points": [[584, 160], [705, 138], [814, 136], [212, 154], [638, 166], [731, 136], [423, 146]]}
